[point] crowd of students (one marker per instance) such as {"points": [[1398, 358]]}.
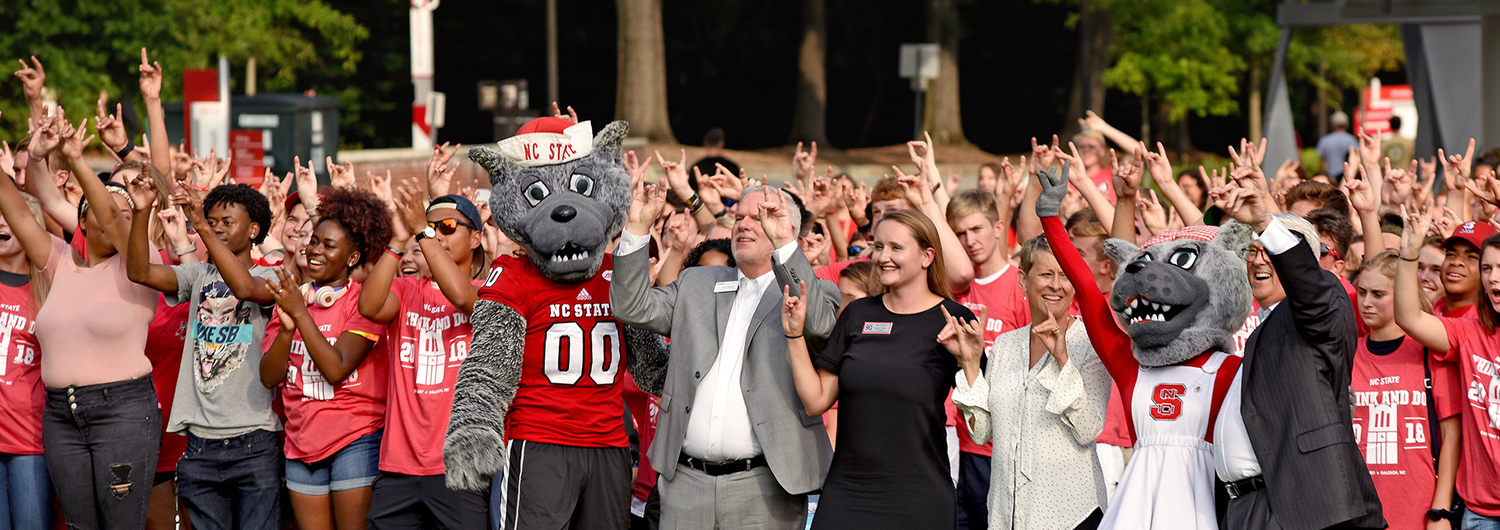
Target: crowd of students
{"points": [[184, 350]]}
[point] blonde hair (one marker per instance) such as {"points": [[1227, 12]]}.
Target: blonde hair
{"points": [[972, 201]]}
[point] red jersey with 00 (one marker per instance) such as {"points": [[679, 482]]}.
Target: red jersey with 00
{"points": [[1007, 309], [20, 374], [322, 417], [1391, 428], [571, 367], [428, 341]]}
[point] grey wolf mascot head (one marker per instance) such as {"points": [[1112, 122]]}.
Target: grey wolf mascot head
{"points": [[559, 192]]}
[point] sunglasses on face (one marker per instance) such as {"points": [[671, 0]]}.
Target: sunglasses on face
{"points": [[448, 226], [1326, 250]]}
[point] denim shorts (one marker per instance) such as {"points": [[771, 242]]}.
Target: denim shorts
{"points": [[354, 466]]}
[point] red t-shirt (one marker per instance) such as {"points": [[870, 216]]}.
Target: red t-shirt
{"points": [[20, 375], [832, 271], [322, 418], [1008, 310], [1391, 427], [1359, 323], [570, 370], [164, 349], [431, 338], [1476, 352], [643, 412], [1445, 374]]}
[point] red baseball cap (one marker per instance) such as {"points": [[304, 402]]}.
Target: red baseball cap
{"points": [[1472, 232]]}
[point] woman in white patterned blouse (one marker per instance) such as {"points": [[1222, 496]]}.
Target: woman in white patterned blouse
{"points": [[1043, 405]]}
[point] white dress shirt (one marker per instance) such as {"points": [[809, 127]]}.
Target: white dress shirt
{"points": [[1234, 457], [719, 426]]}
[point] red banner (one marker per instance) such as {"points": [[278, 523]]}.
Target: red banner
{"points": [[248, 166]]}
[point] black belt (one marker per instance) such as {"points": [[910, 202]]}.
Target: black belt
{"points": [[1241, 488], [714, 469]]}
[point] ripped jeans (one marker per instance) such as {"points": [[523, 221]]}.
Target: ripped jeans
{"points": [[101, 445]]}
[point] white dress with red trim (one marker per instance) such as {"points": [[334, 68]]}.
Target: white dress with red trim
{"points": [[1169, 483]]}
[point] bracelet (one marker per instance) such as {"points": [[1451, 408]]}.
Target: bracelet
{"points": [[694, 204], [393, 252], [1403, 258], [125, 151], [798, 336], [721, 213], [191, 247]]}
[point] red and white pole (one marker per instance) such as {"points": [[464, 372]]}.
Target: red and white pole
{"points": [[421, 70]]}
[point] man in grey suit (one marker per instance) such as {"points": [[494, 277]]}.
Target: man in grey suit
{"points": [[734, 446]]}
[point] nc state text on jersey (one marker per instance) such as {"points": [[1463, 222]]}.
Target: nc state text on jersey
{"points": [[578, 310]]}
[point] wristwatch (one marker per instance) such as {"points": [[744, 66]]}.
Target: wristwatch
{"points": [[426, 233], [1438, 515]]}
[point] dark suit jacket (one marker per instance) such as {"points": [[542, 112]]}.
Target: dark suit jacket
{"points": [[1296, 402]]}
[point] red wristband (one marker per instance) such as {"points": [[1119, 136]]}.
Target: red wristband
{"points": [[393, 252]]}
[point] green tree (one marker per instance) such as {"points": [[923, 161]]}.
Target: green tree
{"points": [[92, 46], [1178, 53]]}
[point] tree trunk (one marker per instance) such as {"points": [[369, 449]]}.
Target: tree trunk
{"points": [[1095, 30], [940, 116], [1256, 131], [641, 87], [1320, 106], [810, 116]]}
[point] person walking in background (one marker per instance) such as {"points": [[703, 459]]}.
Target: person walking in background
{"points": [[1334, 147]]}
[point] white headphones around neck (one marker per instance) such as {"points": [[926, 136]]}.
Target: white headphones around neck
{"points": [[323, 297]]}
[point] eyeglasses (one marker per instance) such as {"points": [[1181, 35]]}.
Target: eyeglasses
{"points": [[448, 226], [1326, 250], [1254, 253]]}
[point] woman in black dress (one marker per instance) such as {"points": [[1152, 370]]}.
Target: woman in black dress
{"points": [[885, 366]]}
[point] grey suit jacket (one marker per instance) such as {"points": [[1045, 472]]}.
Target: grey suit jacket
{"points": [[694, 317]]}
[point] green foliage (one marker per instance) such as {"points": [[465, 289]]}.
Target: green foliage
{"points": [[91, 46], [1194, 55], [1348, 55], [1187, 54]]}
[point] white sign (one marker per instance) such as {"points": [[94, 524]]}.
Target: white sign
{"points": [[919, 62], [210, 127], [259, 121]]}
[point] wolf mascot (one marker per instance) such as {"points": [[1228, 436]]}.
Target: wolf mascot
{"points": [[538, 397], [1180, 299]]}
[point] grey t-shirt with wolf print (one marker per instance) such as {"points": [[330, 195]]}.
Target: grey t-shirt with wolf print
{"points": [[219, 393]]}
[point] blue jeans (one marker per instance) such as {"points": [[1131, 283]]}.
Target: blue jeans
{"points": [[1474, 521], [354, 466], [232, 482], [25, 492]]}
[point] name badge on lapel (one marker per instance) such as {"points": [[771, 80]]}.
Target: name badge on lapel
{"points": [[726, 287], [878, 328]]}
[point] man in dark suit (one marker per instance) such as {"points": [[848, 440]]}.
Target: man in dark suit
{"points": [[1284, 442]]}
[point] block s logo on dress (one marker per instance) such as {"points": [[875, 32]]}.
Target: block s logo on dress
{"points": [[1166, 401], [877, 328]]}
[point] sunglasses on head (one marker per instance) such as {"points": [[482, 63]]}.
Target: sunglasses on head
{"points": [[448, 226]]}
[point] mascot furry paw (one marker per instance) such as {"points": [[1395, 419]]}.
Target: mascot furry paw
{"points": [[1179, 299], [546, 356]]}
